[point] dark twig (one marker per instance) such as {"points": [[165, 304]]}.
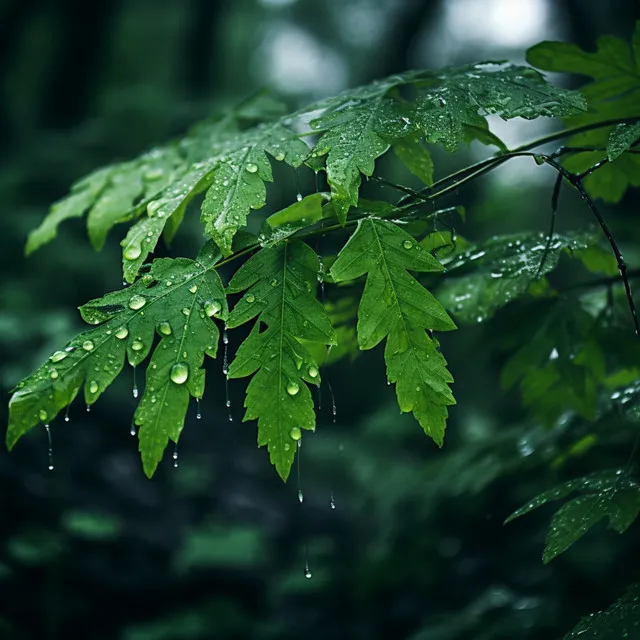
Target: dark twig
{"points": [[554, 209]]}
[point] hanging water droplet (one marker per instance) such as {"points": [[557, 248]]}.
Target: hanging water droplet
{"points": [[250, 298], [46, 426], [298, 196], [66, 413], [53, 374], [137, 345], [132, 428], [136, 302], [179, 372], [333, 502], [122, 333], [292, 388], [132, 252], [57, 356], [43, 415], [307, 572], [251, 167], [134, 390], [407, 244], [193, 288], [211, 308], [164, 328], [88, 408], [87, 345], [313, 372], [300, 496], [295, 433], [198, 414], [93, 387]]}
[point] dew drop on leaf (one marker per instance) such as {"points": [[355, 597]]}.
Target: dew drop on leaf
{"points": [[407, 244], [122, 333], [53, 374], [43, 415], [87, 345], [300, 496], [136, 345], [295, 433], [293, 388], [211, 307], [179, 372], [136, 302], [193, 288], [313, 372], [164, 328], [132, 252], [93, 387], [57, 356], [250, 298], [251, 167]]}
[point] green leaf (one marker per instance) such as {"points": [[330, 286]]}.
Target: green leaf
{"points": [[279, 283], [614, 93], [621, 138], [608, 494], [620, 620], [560, 363], [395, 306], [486, 277], [299, 215], [175, 301], [454, 98], [415, 156], [238, 180]]}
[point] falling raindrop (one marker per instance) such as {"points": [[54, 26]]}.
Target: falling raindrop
{"points": [[132, 429], [297, 176], [88, 408], [66, 413], [198, 414], [134, 390], [46, 426], [333, 502], [307, 572], [225, 371], [175, 455]]}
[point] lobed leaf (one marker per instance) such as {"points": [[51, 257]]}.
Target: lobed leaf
{"points": [[395, 306], [279, 283], [176, 301]]}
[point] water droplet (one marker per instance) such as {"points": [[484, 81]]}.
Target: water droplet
{"points": [[186, 311], [136, 345], [554, 354], [193, 288], [295, 433], [87, 345], [307, 572], [211, 307], [298, 196], [313, 372], [132, 252], [198, 414], [333, 502], [250, 298], [293, 388], [179, 372], [175, 455], [57, 356], [134, 390], [66, 413], [93, 387], [152, 207], [136, 302], [300, 496], [407, 244], [46, 426], [88, 408], [274, 282], [132, 429], [122, 333], [53, 374], [251, 168], [43, 415], [164, 328]]}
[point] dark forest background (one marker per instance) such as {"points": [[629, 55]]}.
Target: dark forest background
{"points": [[415, 547]]}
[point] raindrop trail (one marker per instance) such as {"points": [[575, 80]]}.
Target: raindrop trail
{"points": [[88, 408], [198, 414], [46, 426], [300, 494], [334, 409], [66, 413], [134, 391], [333, 502], [225, 371], [297, 176], [175, 455], [132, 428], [307, 572]]}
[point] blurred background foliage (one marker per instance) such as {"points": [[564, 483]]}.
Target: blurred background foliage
{"points": [[415, 547]]}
